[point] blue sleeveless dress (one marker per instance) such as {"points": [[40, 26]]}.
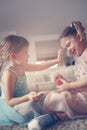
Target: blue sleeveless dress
{"points": [[8, 115]]}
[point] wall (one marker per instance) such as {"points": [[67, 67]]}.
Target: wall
{"points": [[44, 47], [3, 34]]}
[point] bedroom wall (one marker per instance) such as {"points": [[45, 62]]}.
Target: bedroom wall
{"points": [[43, 47]]}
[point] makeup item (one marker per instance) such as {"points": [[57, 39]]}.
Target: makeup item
{"points": [[58, 81]]}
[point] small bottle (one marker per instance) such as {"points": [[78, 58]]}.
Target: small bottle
{"points": [[42, 122], [58, 81]]}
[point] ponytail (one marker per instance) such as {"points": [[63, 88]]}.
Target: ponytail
{"points": [[79, 28], [74, 29]]}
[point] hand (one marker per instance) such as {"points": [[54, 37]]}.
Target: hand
{"points": [[58, 76], [40, 94], [64, 87], [35, 96], [60, 54]]}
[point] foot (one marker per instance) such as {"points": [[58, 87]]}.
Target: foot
{"points": [[42, 122]]}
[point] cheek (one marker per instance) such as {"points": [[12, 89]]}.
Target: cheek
{"points": [[25, 58], [68, 51], [62, 44]]}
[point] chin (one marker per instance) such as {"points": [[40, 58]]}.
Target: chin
{"points": [[78, 55]]}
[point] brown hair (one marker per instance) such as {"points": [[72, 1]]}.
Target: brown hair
{"points": [[74, 29]]}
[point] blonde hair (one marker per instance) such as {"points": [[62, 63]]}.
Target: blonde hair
{"points": [[11, 43], [74, 29]]}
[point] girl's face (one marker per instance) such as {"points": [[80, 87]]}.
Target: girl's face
{"points": [[22, 56], [73, 45]]}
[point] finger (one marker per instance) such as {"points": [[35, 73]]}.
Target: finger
{"points": [[39, 96], [35, 98], [33, 93], [60, 51], [60, 90], [57, 75], [62, 80], [40, 92]]}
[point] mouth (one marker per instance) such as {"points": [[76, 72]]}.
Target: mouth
{"points": [[74, 52]]}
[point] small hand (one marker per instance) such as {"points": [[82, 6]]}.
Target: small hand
{"points": [[65, 86], [60, 54], [32, 95], [40, 94], [58, 76], [35, 96]]}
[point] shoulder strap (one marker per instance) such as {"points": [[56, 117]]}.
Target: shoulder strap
{"points": [[12, 71]]}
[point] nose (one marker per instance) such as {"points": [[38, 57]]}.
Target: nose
{"points": [[69, 50]]}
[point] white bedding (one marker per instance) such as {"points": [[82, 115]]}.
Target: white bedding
{"points": [[44, 80]]}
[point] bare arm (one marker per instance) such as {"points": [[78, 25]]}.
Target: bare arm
{"points": [[78, 84], [9, 80], [46, 64], [42, 66]]}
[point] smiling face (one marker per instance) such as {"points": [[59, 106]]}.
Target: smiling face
{"points": [[73, 45]]}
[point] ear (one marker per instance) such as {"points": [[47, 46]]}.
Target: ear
{"points": [[12, 55]]}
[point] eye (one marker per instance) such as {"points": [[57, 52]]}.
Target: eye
{"points": [[68, 45]]}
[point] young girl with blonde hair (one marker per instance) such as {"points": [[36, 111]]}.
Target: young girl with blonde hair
{"points": [[17, 104]]}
